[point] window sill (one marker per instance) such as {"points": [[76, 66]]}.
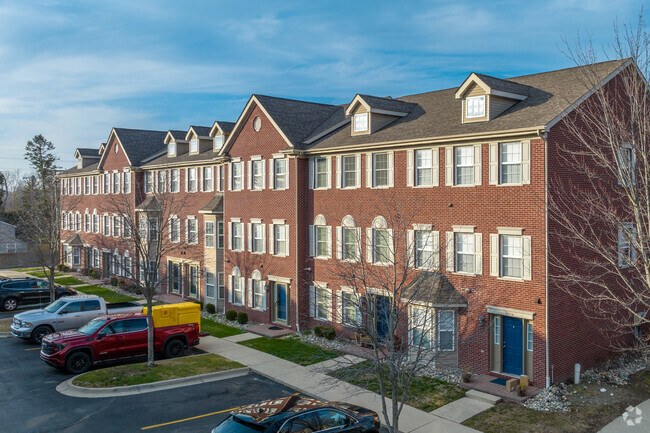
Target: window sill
{"points": [[280, 255], [258, 253], [381, 187], [278, 189], [322, 257], [349, 187], [322, 188], [236, 251], [464, 186], [470, 274], [510, 184], [514, 279]]}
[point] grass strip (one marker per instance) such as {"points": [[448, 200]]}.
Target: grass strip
{"points": [[137, 374], [41, 274], [291, 349], [5, 325], [68, 281], [217, 329], [108, 294]]}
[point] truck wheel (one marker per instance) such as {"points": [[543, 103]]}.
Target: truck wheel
{"points": [[77, 363], [9, 304], [40, 332], [174, 349]]}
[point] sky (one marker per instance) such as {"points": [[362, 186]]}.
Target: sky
{"points": [[73, 70]]}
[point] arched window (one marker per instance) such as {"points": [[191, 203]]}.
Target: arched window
{"points": [[379, 239], [257, 291], [236, 287], [348, 240], [320, 235]]}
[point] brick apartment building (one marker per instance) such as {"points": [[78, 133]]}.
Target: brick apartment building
{"points": [[273, 201]]}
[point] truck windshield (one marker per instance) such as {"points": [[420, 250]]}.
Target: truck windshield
{"points": [[92, 326], [54, 306]]}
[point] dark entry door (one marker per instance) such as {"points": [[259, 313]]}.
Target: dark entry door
{"points": [[382, 313], [513, 342], [281, 298]]}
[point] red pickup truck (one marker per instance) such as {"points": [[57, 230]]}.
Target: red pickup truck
{"points": [[113, 337]]}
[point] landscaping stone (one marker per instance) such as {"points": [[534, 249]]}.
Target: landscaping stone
{"points": [[616, 371]]}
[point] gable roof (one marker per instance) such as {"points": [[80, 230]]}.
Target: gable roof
{"points": [[494, 86], [86, 152], [438, 114], [201, 131], [226, 127], [138, 143], [74, 170], [377, 104]]}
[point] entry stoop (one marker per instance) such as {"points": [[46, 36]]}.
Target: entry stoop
{"points": [[463, 409]]}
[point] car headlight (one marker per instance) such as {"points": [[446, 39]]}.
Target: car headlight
{"points": [[26, 325], [59, 346]]}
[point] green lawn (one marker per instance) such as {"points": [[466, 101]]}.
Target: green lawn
{"points": [[26, 269], [425, 393], [136, 374], [68, 281], [41, 274], [291, 349], [5, 325], [107, 294], [217, 329]]}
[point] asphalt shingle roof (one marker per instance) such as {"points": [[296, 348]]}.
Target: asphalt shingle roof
{"points": [[203, 131], [504, 85], [214, 205], [226, 127], [388, 103], [139, 143], [178, 135], [74, 170], [435, 289], [87, 152]]}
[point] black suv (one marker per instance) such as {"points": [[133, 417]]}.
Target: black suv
{"points": [[296, 414], [28, 291]]}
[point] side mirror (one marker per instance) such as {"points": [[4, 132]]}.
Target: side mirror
{"points": [[101, 334], [63, 312]]}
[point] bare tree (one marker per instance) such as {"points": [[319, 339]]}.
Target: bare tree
{"points": [[393, 299], [151, 225], [599, 206]]}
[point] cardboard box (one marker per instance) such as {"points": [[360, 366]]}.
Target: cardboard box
{"points": [[523, 379], [511, 384]]}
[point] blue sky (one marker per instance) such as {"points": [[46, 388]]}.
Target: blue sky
{"points": [[73, 70]]}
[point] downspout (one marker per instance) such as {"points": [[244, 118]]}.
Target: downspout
{"points": [[542, 134]]}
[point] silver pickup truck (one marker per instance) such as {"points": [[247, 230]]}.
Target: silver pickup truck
{"points": [[70, 312]]}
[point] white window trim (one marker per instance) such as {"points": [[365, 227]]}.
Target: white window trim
{"points": [[480, 97]]}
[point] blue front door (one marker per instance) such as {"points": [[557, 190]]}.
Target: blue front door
{"points": [[513, 345], [281, 302], [383, 319]]}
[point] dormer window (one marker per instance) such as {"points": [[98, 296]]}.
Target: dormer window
{"points": [[194, 145], [361, 122], [80, 163], [475, 106], [218, 142], [172, 149]]}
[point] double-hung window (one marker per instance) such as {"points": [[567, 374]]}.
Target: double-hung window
{"points": [[465, 252], [446, 330], [116, 226], [257, 175], [380, 245], [126, 226], [107, 225], [237, 287], [320, 236], [424, 249], [78, 185], [162, 181], [258, 293], [510, 163], [87, 227], [351, 309], [321, 173], [257, 238], [95, 184], [209, 284], [424, 167], [281, 239], [421, 327], [380, 170], [237, 236], [208, 180], [153, 230], [511, 256], [148, 182], [280, 173], [626, 165], [349, 171], [350, 243], [218, 142], [323, 303], [116, 182], [87, 185], [361, 122], [192, 231], [127, 182], [174, 184], [191, 180], [219, 234], [175, 229], [209, 234], [237, 176], [107, 183], [626, 250], [95, 223], [171, 149], [475, 106], [194, 145], [464, 165]]}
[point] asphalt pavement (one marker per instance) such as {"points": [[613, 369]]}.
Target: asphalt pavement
{"points": [[30, 402]]}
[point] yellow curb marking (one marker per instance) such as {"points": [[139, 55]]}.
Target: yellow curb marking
{"points": [[189, 419], [35, 348]]}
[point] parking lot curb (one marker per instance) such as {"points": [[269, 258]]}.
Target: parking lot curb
{"points": [[5, 334], [70, 390]]}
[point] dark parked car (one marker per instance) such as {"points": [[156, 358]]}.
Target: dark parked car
{"points": [[28, 292], [297, 414]]}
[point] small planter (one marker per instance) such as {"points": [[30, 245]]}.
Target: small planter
{"points": [[467, 377]]}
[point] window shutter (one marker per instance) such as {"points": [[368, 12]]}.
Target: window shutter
{"points": [[329, 305], [249, 291], [478, 253], [435, 161], [271, 239], [369, 183], [249, 236], [329, 241], [230, 288], [230, 235], [410, 158], [199, 178], [186, 180], [357, 161], [311, 173], [410, 248], [358, 240], [621, 239], [329, 172], [525, 162], [449, 166], [633, 242], [369, 245], [527, 259], [264, 238], [339, 306], [249, 175], [391, 169], [264, 289], [436, 250], [288, 240], [494, 255], [217, 175], [288, 176], [450, 251], [477, 165], [494, 163], [229, 177], [339, 242], [263, 164], [312, 247], [312, 302], [271, 173], [339, 170]]}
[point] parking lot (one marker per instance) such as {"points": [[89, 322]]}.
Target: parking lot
{"points": [[30, 402]]}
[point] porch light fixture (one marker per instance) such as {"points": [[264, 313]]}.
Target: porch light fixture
{"points": [[481, 321]]}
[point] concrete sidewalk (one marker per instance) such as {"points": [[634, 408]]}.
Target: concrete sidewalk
{"points": [[634, 420], [324, 387]]}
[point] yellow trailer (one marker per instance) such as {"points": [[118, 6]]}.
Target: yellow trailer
{"points": [[175, 314]]}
